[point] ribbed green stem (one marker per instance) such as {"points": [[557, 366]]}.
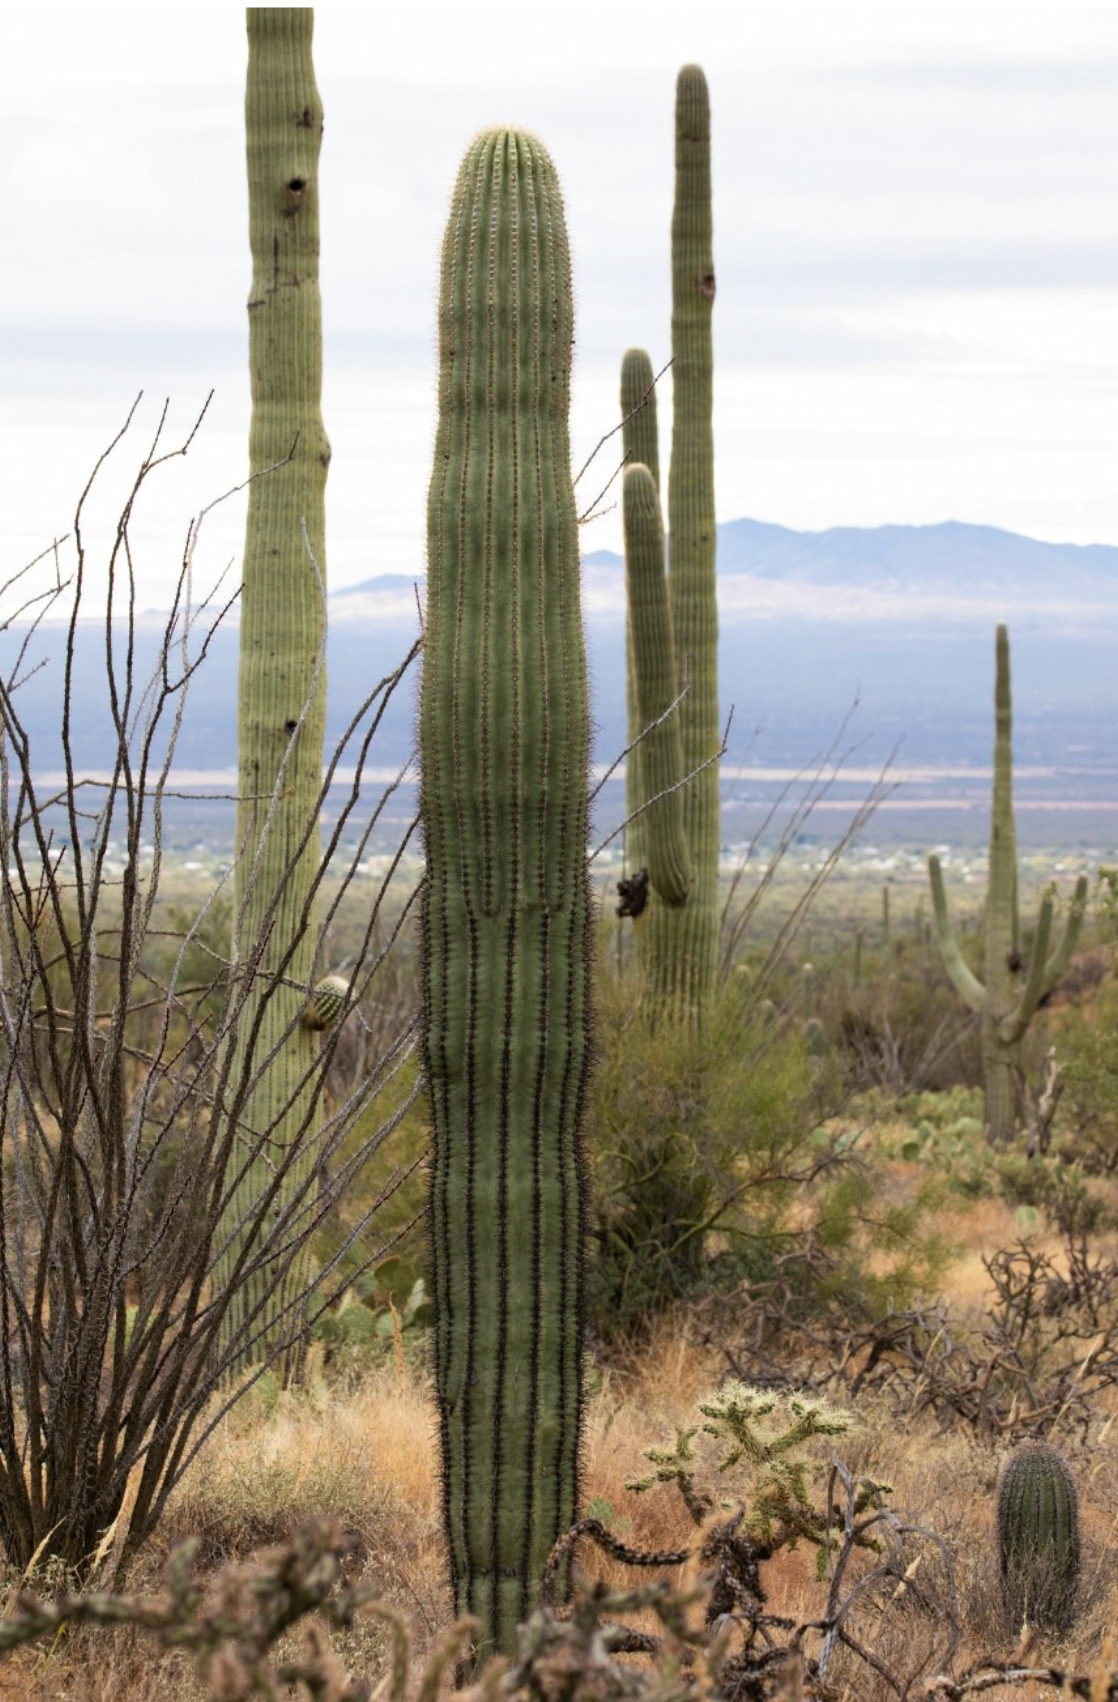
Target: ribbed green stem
{"points": [[1007, 999], [1038, 1536], [282, 687], [654, 672], [640, 440], [504, 732], [683, 942]]}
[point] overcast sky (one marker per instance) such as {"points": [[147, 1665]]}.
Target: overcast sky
{"points": [[916, 243]]}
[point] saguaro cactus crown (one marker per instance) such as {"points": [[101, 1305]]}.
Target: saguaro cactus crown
{"points": [[504, 732], [1007, 999], [680, 935], [282, 686]]}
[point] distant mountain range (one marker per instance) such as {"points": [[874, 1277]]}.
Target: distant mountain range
{"points": [[900, 617]]}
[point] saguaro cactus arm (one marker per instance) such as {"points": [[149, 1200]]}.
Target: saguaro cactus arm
{"points": [[504, 730], [641, 442], [640, 435], [654, 672], [967, 984]]}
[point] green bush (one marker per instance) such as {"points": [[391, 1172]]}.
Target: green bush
{"points": [[714, 1165]]}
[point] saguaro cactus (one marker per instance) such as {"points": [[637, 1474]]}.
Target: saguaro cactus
{"points": [[282, 687], [504, 732], [680, 938], [1007, 999], [1038, 1538]]}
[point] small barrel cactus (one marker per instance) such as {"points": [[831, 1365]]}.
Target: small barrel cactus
{"points": [[326, 1003], [1038, 1538]]}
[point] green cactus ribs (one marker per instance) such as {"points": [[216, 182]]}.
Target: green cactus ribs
{"points": [[1038, 1538], [504, 733]]}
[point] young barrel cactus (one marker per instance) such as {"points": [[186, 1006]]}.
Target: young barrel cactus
{"points": [[1038, 1538]]}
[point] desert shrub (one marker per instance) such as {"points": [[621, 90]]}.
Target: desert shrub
{"points": [[1087, 1128], [698, 1142], [718, 1169], [904, 1029]]}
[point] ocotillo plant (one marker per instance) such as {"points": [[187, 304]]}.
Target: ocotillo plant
{"points": [[1007, 999], [680, 937], [1038, 1538], [504, 732], [282, 687]]}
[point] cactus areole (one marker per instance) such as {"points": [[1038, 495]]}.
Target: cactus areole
{"points": [[504, 735]]}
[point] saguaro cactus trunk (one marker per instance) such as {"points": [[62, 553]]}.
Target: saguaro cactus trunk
{"points": [[503, 745], [1007, 999], [282, 688]]}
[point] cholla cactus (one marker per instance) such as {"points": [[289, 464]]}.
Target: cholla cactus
{"points": [[762, 1459]]}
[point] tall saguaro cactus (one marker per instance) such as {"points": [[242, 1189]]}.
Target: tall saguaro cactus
{"points": [[282, 688], [504, 734], [680, 935], [1007, 999]]}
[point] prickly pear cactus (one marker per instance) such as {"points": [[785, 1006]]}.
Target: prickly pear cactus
{"points": [[1038, 1538], [504, 734]]}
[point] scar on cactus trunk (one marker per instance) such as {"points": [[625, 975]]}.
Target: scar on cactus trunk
{"points": [[282, 686], [1007, 999], [504, 731]]}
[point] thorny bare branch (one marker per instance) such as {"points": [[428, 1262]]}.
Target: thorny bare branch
{"points": [[118, 1115]]}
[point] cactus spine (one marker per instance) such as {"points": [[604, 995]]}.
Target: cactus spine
{"points": [[1007, 999], [680, 937], [281, 694], [1038, 1538], [504, 731]]}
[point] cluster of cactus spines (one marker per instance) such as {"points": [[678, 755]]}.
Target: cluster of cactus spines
{"points": [[1006, 1001], [652, 646], [504, 734], [281, 693], [1038, 1538], [680, 940]]}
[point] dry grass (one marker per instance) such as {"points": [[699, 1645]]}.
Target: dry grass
{"points": [[364, 1452]]}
